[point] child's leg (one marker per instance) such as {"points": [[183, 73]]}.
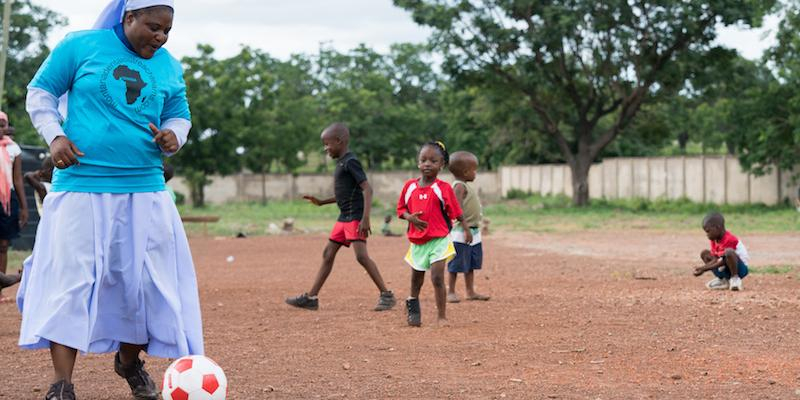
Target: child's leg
{"points": [[437, 278], [452, 297], [706, 256], [469, 282], [3, 255], [732, 262], [417, 279], [3, 263], [63, 361], [469, 279], [455, 266], [7, 280], [372, 269], [451, 287], [328, 256]]}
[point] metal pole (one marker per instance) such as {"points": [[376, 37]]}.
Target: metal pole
{"points": [[4, 53]]}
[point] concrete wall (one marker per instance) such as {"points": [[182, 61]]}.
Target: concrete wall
{"points": [[718, 179], [676, 178], [701, 179], [386, 186]]}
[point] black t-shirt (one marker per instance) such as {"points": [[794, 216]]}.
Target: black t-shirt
{"points": [[347, 182]]}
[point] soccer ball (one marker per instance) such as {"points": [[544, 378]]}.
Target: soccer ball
{"points": [[194, 378]]}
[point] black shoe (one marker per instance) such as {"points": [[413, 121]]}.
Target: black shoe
{"points": [[61, 390], [9, 280], [142, 386], [414, 314], [386, 301], [303, 301]]}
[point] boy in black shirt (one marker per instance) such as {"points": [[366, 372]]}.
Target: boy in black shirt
{"points": [[353, 195]]}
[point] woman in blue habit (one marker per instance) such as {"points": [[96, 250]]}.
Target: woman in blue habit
{"points": [[111, 270]]}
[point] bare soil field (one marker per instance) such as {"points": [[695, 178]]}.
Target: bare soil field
{"points": [[593, 315]]}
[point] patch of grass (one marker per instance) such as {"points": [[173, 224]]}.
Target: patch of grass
{"points": [[772, 270], [539, 213], [528, 213], [15, 259], [255, 218]]}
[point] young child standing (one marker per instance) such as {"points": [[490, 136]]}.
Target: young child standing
{"points": [[429, 205], [469, 249], [386, 230], [727, 259], [353, 195], [14, 213], [41, 182]]}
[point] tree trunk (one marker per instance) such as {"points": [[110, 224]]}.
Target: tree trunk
{"points": [[198, 195], [580, 179], [197, 181], [263, 188]]}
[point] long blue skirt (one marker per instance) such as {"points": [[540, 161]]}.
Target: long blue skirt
{"points": [[109, 269]]}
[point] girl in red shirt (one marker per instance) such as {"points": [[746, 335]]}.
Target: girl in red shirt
{"points": [[429, 205]]}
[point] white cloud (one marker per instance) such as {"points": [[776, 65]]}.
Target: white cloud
{"points": [[282, 27], [278, 27], [751, 43]]}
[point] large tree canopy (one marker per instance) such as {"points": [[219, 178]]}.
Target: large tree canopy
{"points": [[586, 67], [766, 115], [30, 26]]}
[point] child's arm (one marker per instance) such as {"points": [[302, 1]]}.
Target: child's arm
{"points": [[414, 220], [461, 195], [467, 230], [33, 179], [718, 262], [317, 202], [404, 213], [19, 187], [364, 228]]}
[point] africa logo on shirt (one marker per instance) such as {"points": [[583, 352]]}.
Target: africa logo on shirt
{"points": [[130, 79], [133, 82]]}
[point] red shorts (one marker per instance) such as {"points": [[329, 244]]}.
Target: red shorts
{"points": [[345, 233]]}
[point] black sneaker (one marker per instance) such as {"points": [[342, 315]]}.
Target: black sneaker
{"points": [[414, 314], [9, 280], [61, 390], [303, 301], [142, 386], [386, 301]]}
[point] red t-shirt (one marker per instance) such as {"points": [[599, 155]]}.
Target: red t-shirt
{"points": [[728, 241], [435, 201]]}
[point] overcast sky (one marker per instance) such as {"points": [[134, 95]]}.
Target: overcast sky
{"points": [[282, 27]]}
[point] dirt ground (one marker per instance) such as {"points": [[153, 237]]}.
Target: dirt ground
{"points": [[595, 315]]}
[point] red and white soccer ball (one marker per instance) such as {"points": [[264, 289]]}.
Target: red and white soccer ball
{"points": [[194, 378]]}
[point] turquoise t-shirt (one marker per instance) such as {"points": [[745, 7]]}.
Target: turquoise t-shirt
{"points": [[114, 94]]}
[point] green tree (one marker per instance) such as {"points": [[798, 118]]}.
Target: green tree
{"points": [[249, 110], [493, 125], [766, 116], [580, 62], [30, 26], [217, 99], [281, 118], [388, 101]]}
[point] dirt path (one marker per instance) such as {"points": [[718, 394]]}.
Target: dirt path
{"points": [[597, 315]]}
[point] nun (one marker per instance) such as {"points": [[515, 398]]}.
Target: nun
{"points": [[111, 271]]}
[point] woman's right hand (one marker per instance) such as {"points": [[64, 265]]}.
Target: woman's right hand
{"points": [[65, 154]]}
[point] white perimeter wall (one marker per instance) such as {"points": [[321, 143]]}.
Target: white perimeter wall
{"points": [[702, 179]]}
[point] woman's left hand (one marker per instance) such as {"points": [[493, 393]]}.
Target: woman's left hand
{"points": [[23, 217], [166, 139]]}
